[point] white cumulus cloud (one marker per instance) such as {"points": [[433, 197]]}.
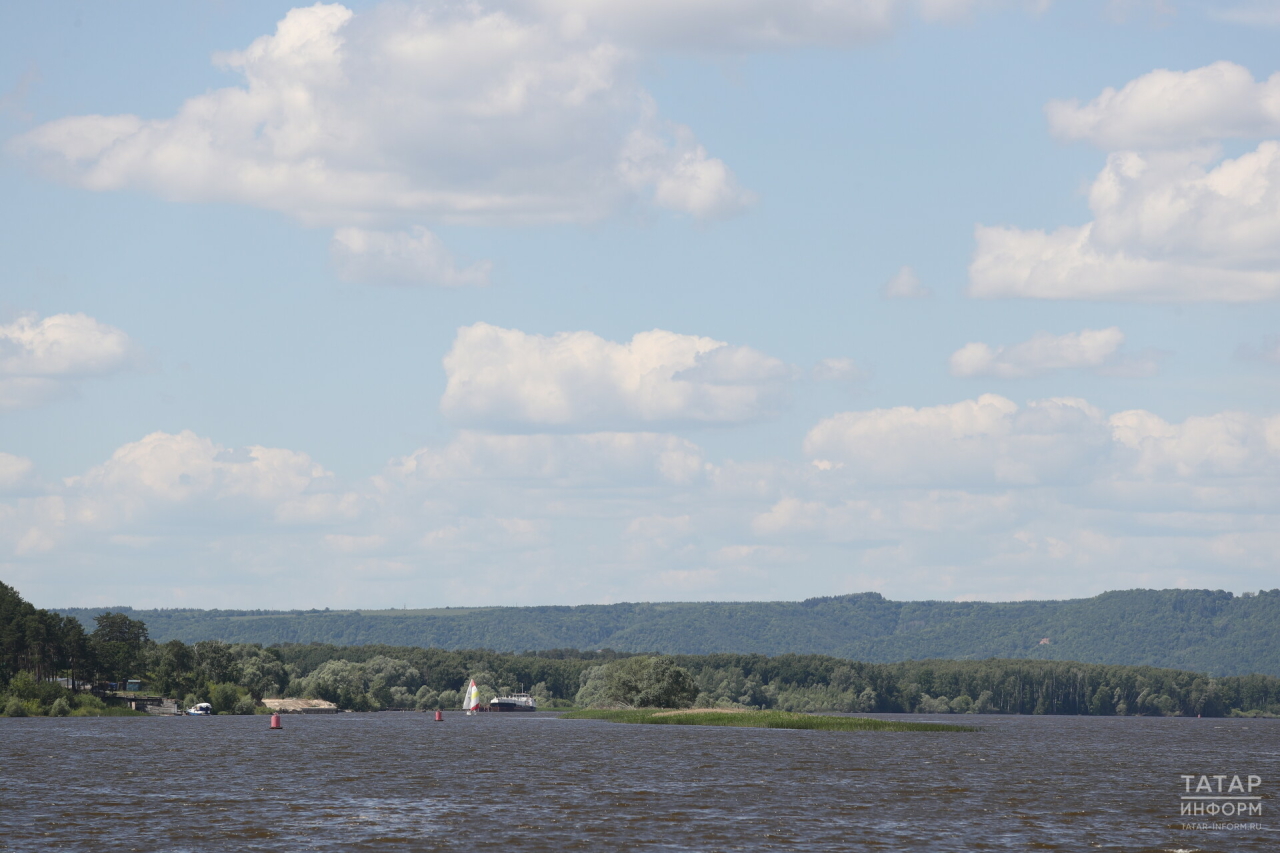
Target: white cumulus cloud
{"points": [[579, 379], [440, 112], [42, 358], [1168, 226], [165, 471], [1169, 108], [1090, 348], [1173, 219], [1131, 455], [1201, 449], [398, 257], [987, 440]]}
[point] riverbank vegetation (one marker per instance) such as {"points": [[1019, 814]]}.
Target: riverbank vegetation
{"points": [[36, 646], [24, 696], [758, 720]]}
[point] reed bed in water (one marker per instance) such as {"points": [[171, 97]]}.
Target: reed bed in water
{"points": [[759, 720]]}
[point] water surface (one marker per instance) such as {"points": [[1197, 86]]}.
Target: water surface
{"points": [[531, 782]]}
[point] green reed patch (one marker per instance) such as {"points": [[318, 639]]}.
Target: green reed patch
{"points": [[759, 720]]}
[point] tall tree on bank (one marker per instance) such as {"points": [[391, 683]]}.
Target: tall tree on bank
{"points": [[118, 644], [40, 642]]}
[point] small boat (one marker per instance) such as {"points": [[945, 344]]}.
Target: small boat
{"points": [[200, 709], [514, 702], [472, 701]]}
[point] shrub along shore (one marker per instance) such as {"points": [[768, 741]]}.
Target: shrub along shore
{"points": [[37, 647]]}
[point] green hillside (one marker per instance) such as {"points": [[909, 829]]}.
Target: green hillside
{"points": [[1202, 630]]}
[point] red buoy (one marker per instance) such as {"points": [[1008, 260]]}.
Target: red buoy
{"points": [[275, 722], [439, 716]]}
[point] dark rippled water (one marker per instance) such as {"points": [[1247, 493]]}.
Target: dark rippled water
{"points": [[392, 782]]}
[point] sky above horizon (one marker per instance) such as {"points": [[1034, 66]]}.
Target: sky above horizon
{"points": [[565, 301]]}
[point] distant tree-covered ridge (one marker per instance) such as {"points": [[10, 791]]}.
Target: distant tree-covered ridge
{"points": [[1207, 631]]}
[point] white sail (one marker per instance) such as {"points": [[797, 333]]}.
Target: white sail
{"points": [[473, 697]]}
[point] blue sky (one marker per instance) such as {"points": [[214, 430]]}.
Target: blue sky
{"points": [[563, 301]]}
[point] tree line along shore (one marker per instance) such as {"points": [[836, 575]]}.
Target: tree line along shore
{"points": [[39, 647]]}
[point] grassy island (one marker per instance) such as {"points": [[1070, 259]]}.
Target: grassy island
{"points": [[759, 720]]}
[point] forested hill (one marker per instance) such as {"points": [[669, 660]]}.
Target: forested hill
{"points": [[1202, 630]]}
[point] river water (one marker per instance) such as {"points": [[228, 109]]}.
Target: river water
{"points": [[532, 782]]}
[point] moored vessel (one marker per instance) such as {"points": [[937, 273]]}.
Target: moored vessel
{"points": [[514, 702]]}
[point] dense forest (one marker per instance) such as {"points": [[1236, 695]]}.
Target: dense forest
{"points": [[36, 645], [46, 657], [1206, 631], [786, 682]]}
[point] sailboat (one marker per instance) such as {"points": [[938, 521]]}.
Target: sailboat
{"points": [[472, 700]]}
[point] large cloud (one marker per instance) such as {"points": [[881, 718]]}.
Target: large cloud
{"points": [[1067, 264], [1171, 225], [1059, 441], [163, 472], [173, 486], [1169, 108], [988, 494], [1203, 450], [445, 112], [42, 358], [580, 380]]}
